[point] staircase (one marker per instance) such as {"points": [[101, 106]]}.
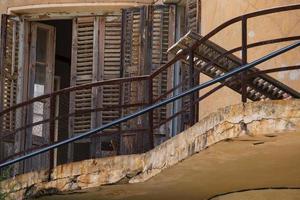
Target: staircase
{"points": [[214, 61]]}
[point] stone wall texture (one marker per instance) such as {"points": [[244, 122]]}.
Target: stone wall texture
{"points": [[265, 117]]}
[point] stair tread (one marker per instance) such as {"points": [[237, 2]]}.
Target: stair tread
{"points": [[208, 51]]}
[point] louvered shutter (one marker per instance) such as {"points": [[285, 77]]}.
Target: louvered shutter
{"points": [[161, 19], [82, 71], [96, 57], [193, 15], [9, 74], [110, 32], [112, 67], [133, 65]]}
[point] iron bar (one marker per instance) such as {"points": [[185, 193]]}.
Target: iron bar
{"points": [[244, 60], [191, 85]]}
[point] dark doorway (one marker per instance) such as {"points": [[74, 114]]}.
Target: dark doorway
{"points": [[62, 80]]}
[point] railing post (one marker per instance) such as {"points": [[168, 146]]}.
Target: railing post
{"points": [[244, 60], [191, 85], [150, 115], [52, 128]]}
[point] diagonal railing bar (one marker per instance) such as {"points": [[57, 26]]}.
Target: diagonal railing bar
{"points": [[154, 106]]}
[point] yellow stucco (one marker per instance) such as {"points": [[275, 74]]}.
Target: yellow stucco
{"points": [[216, 12]]}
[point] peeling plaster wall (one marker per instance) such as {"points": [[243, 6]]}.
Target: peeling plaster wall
{"points": [[216, 12], [252, 118]]}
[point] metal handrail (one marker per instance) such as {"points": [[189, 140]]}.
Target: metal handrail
{"points": [[244, 18], [154, 106]]}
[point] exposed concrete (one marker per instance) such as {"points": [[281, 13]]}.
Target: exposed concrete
{"points": [[249, 164], [229, 122]]}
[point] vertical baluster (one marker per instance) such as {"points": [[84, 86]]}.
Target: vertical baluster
{"points": [[151, 134], [191, 85], [244, 59], [52, 128]]}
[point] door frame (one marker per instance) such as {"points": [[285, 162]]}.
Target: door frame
{"points": [[31, 139]]}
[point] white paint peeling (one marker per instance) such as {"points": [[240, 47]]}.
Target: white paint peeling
{"points": [[281, 75], [294, 75], [251, 34]]}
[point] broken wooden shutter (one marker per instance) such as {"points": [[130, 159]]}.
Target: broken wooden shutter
{"points": [[133, 65], [8, 78], [82, 71], [193, 15], [162, 39]]}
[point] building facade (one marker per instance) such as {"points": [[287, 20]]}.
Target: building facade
{"points": [[70, 66]]}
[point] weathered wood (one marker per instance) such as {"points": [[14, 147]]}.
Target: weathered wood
{"points": [[42, 161], [97, 70], [3, 32], [170, 72], [83, 71], [163, 34], [22, 81], [133, 64], [193, 15]]}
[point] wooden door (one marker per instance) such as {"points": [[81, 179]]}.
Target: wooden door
{"points": [[41, 81]]}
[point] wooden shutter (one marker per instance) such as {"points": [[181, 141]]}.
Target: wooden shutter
{"points": [[133, 65], [162, 39], [82, 71], [9, 74], [193, 15], [110, 32], [96, 57], [111, 67]]}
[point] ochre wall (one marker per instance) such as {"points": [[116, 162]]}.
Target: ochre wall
{"points": [[216, 12]]}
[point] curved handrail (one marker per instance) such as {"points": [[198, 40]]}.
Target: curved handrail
{"points": [[74, 88], [244, 17]]}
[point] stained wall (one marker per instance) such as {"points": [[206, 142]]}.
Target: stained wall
{"points": [[216, 12]]}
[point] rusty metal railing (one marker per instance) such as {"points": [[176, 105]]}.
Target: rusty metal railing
{"points": [[147, 107]]}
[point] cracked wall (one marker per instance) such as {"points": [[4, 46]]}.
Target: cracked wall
{"points": [[256, 118]]}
